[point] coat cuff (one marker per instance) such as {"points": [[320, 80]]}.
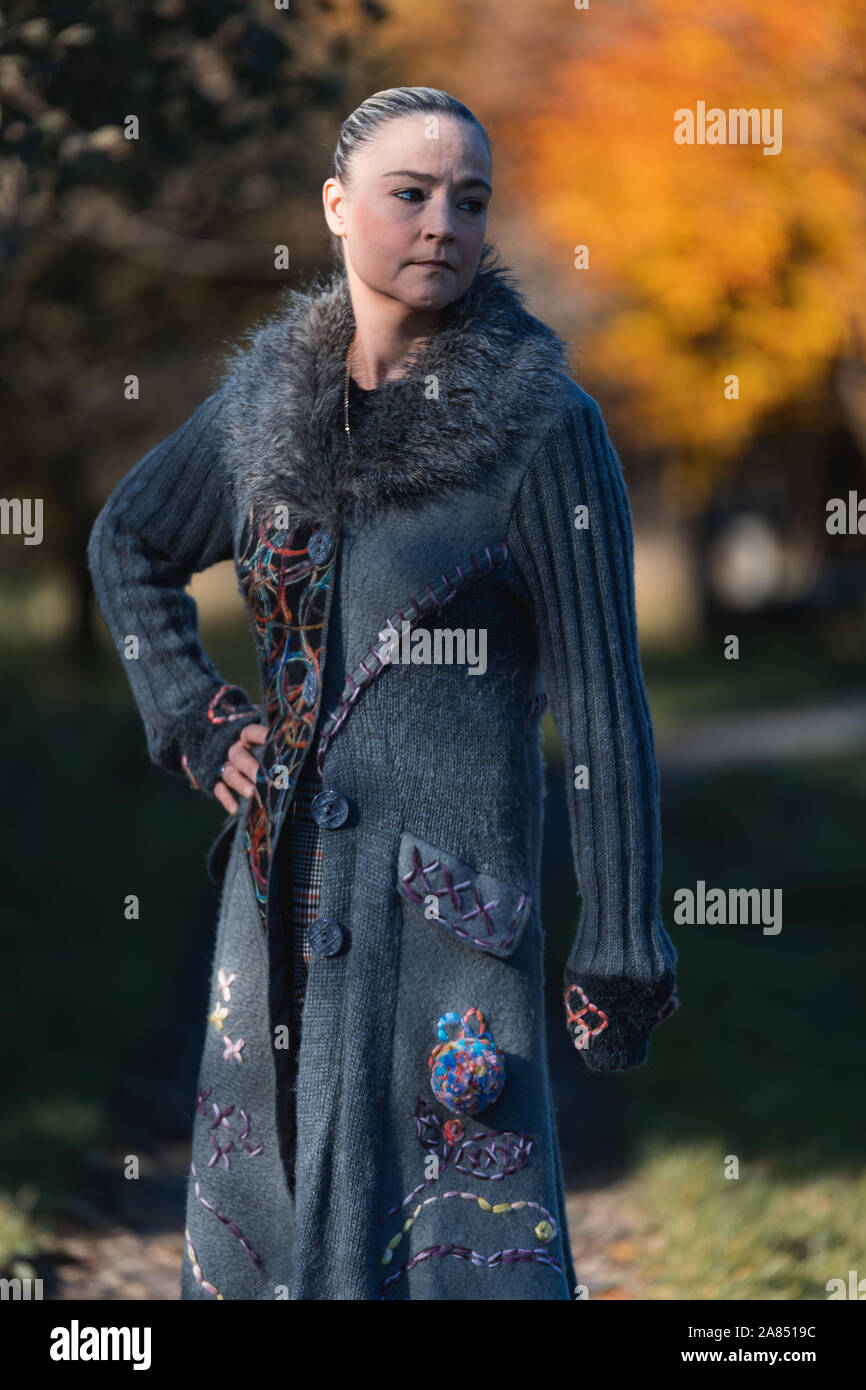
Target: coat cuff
{"points": [[205, 736], [610, 1019]]}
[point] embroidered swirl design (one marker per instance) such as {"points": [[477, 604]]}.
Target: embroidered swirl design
{"points": [[286, 593]]}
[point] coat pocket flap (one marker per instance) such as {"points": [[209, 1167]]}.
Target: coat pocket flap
{"points": [[476, 908]]}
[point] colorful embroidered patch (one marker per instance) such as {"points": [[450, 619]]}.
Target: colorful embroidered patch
{"points": [[487, 1154], [467, 1071], [481, 911], [544, 1230], [286, 592], [505, 1152]]}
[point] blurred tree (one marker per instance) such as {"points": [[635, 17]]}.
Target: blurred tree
{"points": [[135, 141], [712, 259], [704, 261]]}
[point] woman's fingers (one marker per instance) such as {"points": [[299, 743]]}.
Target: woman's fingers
{"points": [[238, 780], [241, 767], [242, 759], [254, 733], [225, 798]]}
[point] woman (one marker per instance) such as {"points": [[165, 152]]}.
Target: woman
{"points": [[399, 444]]}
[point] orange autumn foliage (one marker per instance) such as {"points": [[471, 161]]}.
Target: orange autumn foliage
{"points": [[705, 260], [710, 259]]}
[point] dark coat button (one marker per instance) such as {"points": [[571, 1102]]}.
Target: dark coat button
{"points": [[326, 936], [329, 809], [310, 688], [319, 547]]}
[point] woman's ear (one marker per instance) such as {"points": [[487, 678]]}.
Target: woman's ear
{"points": [[333, 203]]}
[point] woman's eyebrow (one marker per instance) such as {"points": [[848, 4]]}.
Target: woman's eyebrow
{"points": [[431, 178]]}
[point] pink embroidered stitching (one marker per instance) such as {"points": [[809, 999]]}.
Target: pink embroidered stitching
{"points": [[220, 1152], [233, 1049], [221, 1115], [545, 1230], [447, 1141], [224, 984], [462, 1252], [184, 762], [234, 713], [506, 1151], [244, 1133], [583, 1034], [224, 1219], [453, 890]]}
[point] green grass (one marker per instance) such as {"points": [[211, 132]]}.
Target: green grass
{"points": [[759, 1235]]}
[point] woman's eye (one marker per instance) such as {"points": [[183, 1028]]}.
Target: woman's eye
{"points": [[473, 205]]}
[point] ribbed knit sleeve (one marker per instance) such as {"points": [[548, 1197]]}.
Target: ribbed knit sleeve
{"points": [[168, 518], [620, 973]]}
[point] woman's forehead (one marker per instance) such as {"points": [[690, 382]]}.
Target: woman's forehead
{"points": [[412, 144]]}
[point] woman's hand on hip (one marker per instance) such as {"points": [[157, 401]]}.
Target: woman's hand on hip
{"points": [[238, 773]]}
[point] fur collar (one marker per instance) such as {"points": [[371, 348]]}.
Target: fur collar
{"points": [[284, 420]]}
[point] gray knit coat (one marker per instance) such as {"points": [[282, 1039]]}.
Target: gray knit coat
{"points": [[480, 491]]}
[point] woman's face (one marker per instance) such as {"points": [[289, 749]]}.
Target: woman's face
{"points": [[419, 192]]}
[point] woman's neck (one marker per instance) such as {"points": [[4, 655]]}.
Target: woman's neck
{"points": [[386, 333]]}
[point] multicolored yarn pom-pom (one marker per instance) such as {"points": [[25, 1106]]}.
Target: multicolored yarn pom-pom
{"points": [[468, 1070]]}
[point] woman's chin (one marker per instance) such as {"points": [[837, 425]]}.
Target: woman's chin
{"points": [[429, 298]]}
